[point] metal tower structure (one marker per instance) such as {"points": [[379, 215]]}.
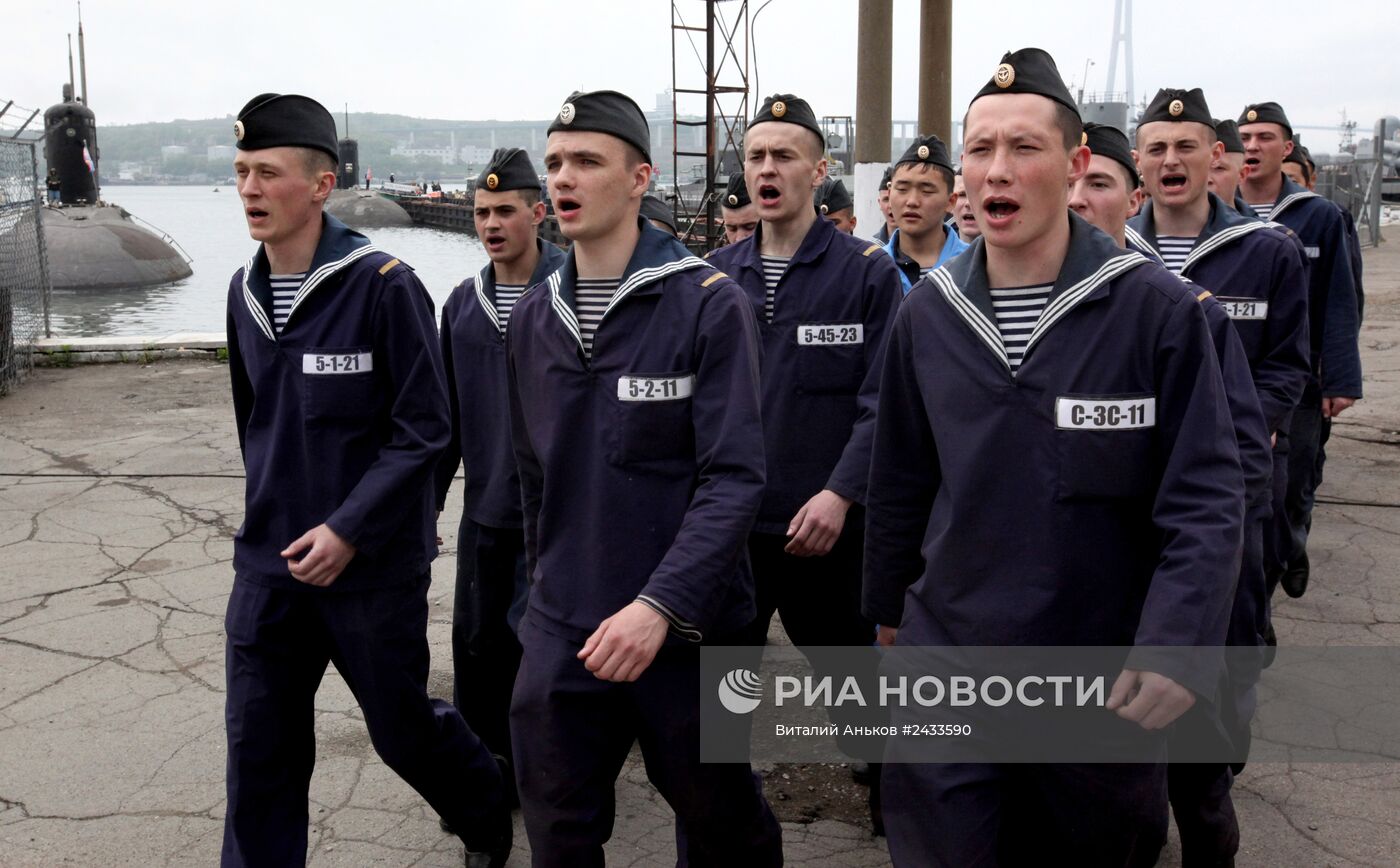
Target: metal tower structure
{"points": [[721, 79], [1122, 35]]}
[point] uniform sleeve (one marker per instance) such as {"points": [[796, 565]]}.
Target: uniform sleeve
{"points": [[904, 478], [526, 461], [405, 343], [1198, 507], [695, 576], [883, 292], [1341, 352], [1284, 368], [242, 385], [452, 454]]}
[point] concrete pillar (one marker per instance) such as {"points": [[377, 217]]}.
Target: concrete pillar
{"points": [[873, 81], [936, 68]]}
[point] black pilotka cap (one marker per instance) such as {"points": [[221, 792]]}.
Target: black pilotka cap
{"points": [[1300, 155], [886, 178], [1174, 105], [509, 169], [928, 150], [282, 120], [654, 209], [737, 195], [789, 109], [1106, 141], [832, 196], [605, 111], [1030, 70], [1266, 113], [1228, 132]]}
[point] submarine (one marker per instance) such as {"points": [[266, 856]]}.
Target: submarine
{"points": [[92, 244], [356, 207]]}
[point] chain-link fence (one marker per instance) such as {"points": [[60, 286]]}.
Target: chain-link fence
{"points": [[24, 277]]}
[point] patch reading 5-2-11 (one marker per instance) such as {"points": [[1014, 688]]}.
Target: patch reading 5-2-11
{"points": [[664, 388], [1244, 308], [337, 363], [830, 334], [1112, 414]]}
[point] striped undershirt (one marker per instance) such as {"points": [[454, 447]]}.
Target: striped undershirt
{"points": [[1174, 250], [1263, 211], [507, 294], [284, 288], [773, 268], [1017, 310], [591, 298]]}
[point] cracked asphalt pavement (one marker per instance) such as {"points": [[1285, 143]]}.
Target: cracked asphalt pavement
{"points": [[121, 487]]}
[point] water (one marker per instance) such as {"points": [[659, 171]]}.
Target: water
{"points": [[210, 227]]}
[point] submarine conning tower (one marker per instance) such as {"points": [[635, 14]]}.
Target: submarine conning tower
{"points": [[70, 140], [347, 178]]}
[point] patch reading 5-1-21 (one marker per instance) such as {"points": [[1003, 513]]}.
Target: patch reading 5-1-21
{"points": [[1111, 414], [664, 388], [830, 334], [1244, 308], [337, 363]]}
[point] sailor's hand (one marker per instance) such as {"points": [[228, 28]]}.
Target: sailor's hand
{"points": [[318, 557], [624, 645], [817, 525], [884, 636], [1333, 407], [1150, 700]]}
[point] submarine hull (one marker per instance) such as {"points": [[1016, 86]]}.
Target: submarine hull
{"points": [[365, 209], [101, 247]]}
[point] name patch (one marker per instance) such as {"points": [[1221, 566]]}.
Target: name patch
{"points": [[673, 388], [831, 334], [1245, 308], [1313, 252], [337, 363], [1117, 414]]}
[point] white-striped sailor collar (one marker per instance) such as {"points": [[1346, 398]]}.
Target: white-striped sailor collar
{"points": [[1289, 194], [339, 247], [1224, 226], [1092, 262], [550, 257], [656, 256]]}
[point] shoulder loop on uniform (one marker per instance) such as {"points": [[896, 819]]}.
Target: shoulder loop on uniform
{"points": [[388, 266], [712, 278], [871, 249], [1204, 294]]}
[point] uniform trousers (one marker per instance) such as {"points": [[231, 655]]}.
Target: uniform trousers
{"points": [[1308, 437], [572, 733], [279, 642], [818, 598]]}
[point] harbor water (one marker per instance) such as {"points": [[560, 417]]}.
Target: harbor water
{"points": [[211, 229]]}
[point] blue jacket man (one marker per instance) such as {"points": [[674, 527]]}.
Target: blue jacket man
{"points": [[633, 377], [341, 410], [921, 190]]}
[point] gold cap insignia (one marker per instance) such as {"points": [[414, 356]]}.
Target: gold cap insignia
{"points": [[1083, 139], [493, 181], [779, 108], [1005, 75], [1251, 115], [733, 200], [923, 152], [1175, 108], [238, 131], [825, 209], [566, 113]]}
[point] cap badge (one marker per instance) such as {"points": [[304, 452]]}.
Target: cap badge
{"points": [[824, 209], [238, 131], [493, 181], [1083, 139], [1176, 108], [733, 200], [1251, 115], [1005, 75], [566, 113], [923, 152], [779, 108]]}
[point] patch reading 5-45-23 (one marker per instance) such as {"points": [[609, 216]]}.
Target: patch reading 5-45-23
{"points": [[337, 363], [1244, 308], [665, 388], [1110, 414], [830, 334]]}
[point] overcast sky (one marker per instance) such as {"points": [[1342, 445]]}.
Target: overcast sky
{"points": [[158, 60]]}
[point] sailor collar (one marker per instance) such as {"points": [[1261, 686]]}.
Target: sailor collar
{"points": [[1289, 194], [339, 247], [1224, 226], [656, 257], [549, 259], [1091, 263], [818, 238]]}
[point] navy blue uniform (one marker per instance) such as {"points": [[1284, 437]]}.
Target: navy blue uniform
{"points": [[821, 372], [1334, 309], [341, 418], [1094, 498], [491, 584], [641, 470]]}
